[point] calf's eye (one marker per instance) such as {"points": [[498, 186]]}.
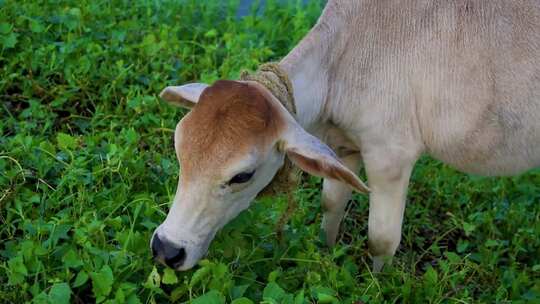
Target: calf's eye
{"points": [[241, 178]]}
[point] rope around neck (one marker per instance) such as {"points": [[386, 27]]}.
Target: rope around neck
{"points": [[275, 79]]}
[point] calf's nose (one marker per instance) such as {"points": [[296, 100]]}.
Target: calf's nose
{"points": [[166, 253]]}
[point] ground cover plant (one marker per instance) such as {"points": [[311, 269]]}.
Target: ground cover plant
{"points": [[87, 170]]}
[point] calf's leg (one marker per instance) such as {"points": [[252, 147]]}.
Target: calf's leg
{"points": [[388, 176], [335, 196]]}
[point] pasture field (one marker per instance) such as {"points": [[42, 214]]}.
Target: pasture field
{"points": [[87, 170]]}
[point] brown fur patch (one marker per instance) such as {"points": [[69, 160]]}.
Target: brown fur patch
{"points": [[230, 118]]}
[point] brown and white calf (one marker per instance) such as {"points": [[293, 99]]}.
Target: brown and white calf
{"points": [[380, 82]]}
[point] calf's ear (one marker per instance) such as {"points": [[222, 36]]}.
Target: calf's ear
{"points": [[313, 156], [185, 96]]}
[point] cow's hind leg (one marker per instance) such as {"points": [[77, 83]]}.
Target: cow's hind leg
{"points": [[335, 196], [388, 176]]}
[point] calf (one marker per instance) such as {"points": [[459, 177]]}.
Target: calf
{"points": [[378, 82]]}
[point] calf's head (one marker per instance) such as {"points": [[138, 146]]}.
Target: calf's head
{"points": [[230, 146]]}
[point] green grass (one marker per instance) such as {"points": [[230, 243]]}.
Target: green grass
{"points": [[87, 170]]}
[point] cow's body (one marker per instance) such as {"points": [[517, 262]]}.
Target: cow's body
{"points": [[459, 80], [383, 82]]}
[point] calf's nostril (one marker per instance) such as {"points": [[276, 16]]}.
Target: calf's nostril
{"points": [[177, 259], [165, 252]]}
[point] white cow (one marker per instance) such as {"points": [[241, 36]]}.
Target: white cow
{"points": [[381, 82]]}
